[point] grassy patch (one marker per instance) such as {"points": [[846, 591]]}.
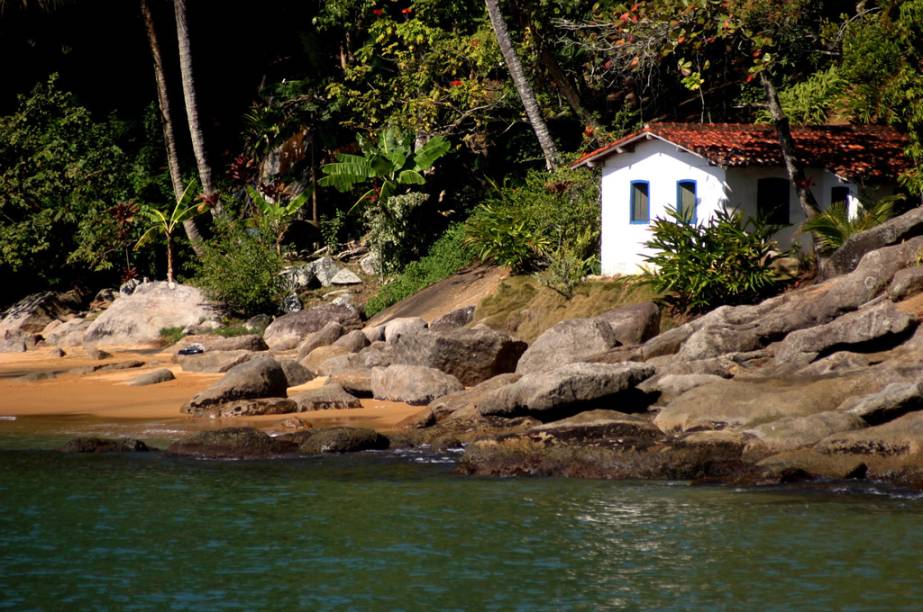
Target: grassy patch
{"points": [[232, 330], [524, 308], [446, 257], [170, 335]]}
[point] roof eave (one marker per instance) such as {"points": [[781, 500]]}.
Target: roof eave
{"points": [[621, 145]]}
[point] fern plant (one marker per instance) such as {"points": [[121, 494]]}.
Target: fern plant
{"points": [[832, 227]]}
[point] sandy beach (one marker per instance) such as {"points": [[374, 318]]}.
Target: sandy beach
{"points": [[103, 403]]}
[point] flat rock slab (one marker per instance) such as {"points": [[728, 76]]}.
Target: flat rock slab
{"points": [[154, 377], [342, 440], [214, 361], [739, 404], [328, 397], [570, 388], [245, 342], [354, 341], [415, 385], [895, 400], [231, 443], [789, 433], [454, 402], [634, 323], [244, 407]]}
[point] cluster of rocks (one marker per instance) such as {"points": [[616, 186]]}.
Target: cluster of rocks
{"points": [[134, 315]]}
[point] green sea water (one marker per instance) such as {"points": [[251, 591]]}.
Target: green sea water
{"points": [[386, 531]]}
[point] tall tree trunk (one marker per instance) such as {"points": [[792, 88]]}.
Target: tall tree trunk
{"points": [[166, 119], [192, 109], [563, 85], [787, 144], [169, 260], [522, 85]]}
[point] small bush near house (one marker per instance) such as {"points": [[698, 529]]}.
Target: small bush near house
{"points": [[446, 257], [170, 335], [832, 227], [700, 266], [241, 269], [550, 220]]}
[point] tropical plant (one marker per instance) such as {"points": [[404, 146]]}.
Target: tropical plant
{"points": [[832, 227], [241, 269], [160, 222], [527, 226], [700, 266], [274, 216], [386, 163]]}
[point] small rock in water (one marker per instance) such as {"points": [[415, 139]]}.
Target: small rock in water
{"points": [[95, 353], [105, 445]]}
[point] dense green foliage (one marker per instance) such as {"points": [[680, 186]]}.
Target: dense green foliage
{"points": [[446, 257], [700, 266], [67, 188], [548, 218], [386, 122], [241, 268]]}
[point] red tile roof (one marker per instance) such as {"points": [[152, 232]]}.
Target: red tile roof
{"points": [[850, 151]]}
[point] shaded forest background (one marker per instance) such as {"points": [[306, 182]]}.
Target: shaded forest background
{"points": [[284, 89]]}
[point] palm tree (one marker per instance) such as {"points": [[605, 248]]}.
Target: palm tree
{"points": [[158, 222], [192, 109], [522, 85], [166, 117]]}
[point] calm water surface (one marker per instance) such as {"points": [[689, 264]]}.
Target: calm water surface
{"points": [[384, 532]]}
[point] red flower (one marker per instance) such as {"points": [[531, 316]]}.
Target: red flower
{"points": [[378, 12], [455, 83], [406, 11]]}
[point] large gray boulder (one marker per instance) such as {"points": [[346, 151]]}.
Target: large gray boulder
{"points": [[324, 270], [295, 373], [328, 334], [454, 319], [288, 331], [634, 323], [570, 389], [67, 333], [259, 377], [470, 355], [357, 381], [416, 385], [22, 323], [139, 317], [569, 341], [879, 323], [403, 326]]}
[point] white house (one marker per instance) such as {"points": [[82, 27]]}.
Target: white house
{"points": [[707, 166]]}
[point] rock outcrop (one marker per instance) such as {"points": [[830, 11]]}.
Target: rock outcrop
{"points": [[569, 341], [415, 385], [231, 443], [288, 331], [258, 378], [138, 318]]}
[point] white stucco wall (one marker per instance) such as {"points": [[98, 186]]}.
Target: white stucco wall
{"points": [[662, 165]]}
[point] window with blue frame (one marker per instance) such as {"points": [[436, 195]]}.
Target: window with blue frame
{"points": [[686, 200], [640, 202]]}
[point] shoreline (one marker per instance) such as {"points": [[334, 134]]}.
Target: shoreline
{"points": [[103, 403]]}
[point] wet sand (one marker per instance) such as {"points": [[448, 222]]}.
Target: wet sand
{"points": [[104, 404]]}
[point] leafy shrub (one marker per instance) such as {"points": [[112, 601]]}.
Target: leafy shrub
{"points": [[446, 257], [551, 216], [700, 266], [170, 335], [232, 330], [241, 268]]}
